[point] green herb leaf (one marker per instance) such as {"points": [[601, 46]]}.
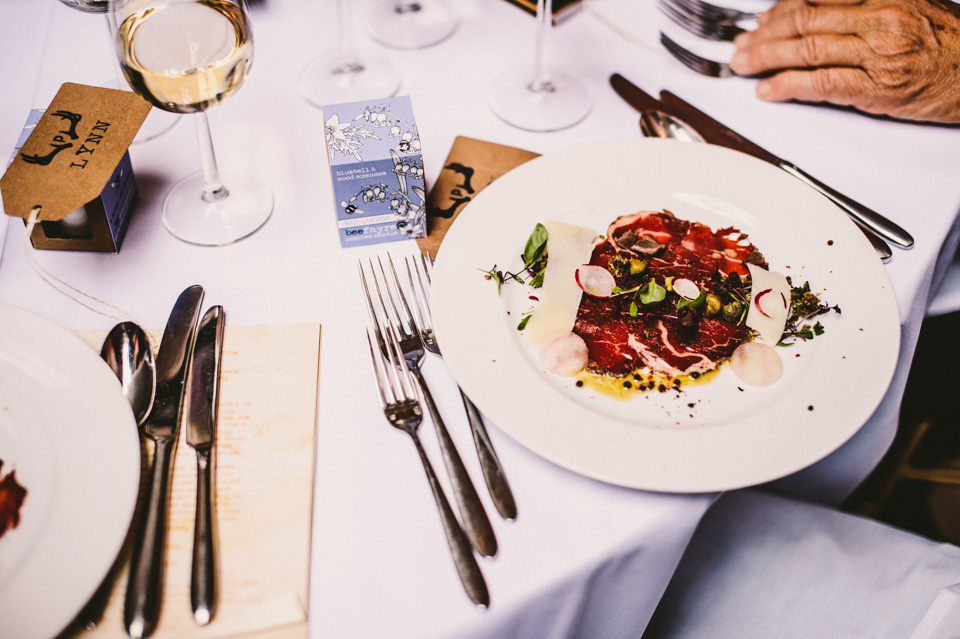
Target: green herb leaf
{"points": [[537, 280], [536, 244], [651, 292], [683, 302], [523, 323], [634, 309]]}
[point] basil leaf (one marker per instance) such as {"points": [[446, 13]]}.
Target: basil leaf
{"points": [[651, 293], [536, 244]]}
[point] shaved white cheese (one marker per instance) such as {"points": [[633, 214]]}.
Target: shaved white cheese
{"points": [[568, 247], [769, 304]]}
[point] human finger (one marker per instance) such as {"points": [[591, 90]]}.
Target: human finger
{"points": [[841, 86], [797, 53], [800, 19]]}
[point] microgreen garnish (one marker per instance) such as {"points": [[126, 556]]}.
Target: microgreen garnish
{"points": [[651, 292], [534, 262]]}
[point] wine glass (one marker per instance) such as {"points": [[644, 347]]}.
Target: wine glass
{"points": [[540, 99], [343, 76], [157, 122], [186, 56], [402, 24]]}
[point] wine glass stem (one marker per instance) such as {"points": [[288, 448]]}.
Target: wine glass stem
{"points": [[349, 62], [213, 188], [541, 78]]}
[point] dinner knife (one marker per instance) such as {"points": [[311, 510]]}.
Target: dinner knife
{"points": [[202, 395], [141, 607], [646, 104], [722, 135]]}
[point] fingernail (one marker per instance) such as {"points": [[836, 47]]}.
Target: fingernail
{"points": [[740, 61]]}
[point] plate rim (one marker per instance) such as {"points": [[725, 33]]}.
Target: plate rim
{"points": [[64, 567], [842, 226]]}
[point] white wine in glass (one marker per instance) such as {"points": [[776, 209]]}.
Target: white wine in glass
{"points": [[186, 56], [539, 98], [158, 122]]}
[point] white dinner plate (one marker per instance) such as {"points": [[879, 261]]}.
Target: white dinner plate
{"points": [[70, 436], [711, 436]]}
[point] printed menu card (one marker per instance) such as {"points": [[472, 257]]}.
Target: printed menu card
{"points": [[264, 465]]}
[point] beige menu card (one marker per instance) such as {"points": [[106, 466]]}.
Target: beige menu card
{"points": [[264, 465]]}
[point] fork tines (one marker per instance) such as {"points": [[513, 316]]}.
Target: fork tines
{"points": [[696, 62], [701, 24], [394, 381]]}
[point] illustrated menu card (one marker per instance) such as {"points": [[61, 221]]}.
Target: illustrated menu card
{"points": [[264, 465]]}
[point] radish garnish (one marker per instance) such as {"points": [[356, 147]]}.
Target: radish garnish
{"points": [[687, 289], [595, 280], [756, 363], [565, 355]]}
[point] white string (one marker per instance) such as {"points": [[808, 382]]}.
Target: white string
{"points": [[52, 280]]}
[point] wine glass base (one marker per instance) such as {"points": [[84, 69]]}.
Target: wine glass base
{"points": [[192, 219], [333, 79], [516, 102], [410, 25]]}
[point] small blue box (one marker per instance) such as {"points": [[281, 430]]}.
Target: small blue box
{"points": [[377, 171]]}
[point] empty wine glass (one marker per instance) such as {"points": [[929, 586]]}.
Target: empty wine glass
{"points": [[157, 122], [402, 24], [186, 56], [540, 99], [342, 75]]}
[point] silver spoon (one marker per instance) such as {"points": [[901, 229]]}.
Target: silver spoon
{"points": [[128, 353], [657, 124]]}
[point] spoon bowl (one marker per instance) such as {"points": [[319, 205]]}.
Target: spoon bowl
{"points": [[657, 124], [128, 353]]}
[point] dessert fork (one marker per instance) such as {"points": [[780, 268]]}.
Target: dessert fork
{"points": [[695, 62], [705, 25], [475, 521], [715, 13], [489, 463], [398, 400]]}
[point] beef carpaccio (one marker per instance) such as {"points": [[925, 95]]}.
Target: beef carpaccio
{"points": [[623, 336]]}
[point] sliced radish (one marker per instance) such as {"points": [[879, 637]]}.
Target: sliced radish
{"points": [[756, 363], [687, 289], [595, 280], [770, 304], [565, 355], [770, 295]]}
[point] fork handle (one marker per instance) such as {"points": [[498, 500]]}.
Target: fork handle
{"points": [[475, 521], [489, 463], [460, 548]]}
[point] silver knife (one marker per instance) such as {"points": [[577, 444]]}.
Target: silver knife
{"points": [[141, 607], [204, 390]]}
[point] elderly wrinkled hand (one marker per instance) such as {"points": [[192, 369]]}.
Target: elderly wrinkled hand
{"points": [[887, 57]]}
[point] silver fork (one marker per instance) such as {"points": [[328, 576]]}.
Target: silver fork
{"points": [[489, 463], [401, 408], [475, 520], [705, 25], [695, 62], [716, 13]]}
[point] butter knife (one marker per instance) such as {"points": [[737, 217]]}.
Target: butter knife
{"points": [[204, 390], [722, 135], [141, 607]]}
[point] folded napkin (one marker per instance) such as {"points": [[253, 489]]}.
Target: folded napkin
{"points": [[264, 463]]}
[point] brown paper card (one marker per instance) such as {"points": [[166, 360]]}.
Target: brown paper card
{"points": [[73, 151], [470, 166]]}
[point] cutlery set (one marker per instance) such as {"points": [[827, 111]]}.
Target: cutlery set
{"points": [[672, 117], [187, 370], [399, 334]]}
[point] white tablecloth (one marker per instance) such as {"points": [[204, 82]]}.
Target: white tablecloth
{"points": [[379, 562]]}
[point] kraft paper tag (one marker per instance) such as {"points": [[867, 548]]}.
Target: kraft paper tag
{"points": [[470, 166], [73, 151]]}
